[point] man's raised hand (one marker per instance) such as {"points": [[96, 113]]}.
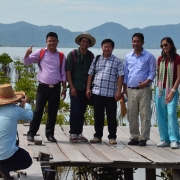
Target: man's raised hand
{"points": [[29, 51]]}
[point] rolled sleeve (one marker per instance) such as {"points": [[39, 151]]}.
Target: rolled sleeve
{"points": [[32, 58], [120, 68], [26, 113], [125, 72], [152, 68], [63, 71]]}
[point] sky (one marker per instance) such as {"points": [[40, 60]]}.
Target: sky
{"points": [[82, 15]]}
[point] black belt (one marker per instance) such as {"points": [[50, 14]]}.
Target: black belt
{"points": [[48, 85], [136, 87]]}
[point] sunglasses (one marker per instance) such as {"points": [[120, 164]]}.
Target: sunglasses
{"points": [[163, 45]]}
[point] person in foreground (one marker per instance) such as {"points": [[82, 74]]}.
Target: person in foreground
{"points": [[77, 66], [166, 97], [106, 91], [51, 73], [12, 158], [139, 72]]}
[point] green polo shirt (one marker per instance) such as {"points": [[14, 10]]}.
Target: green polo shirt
{"points": [[79, 69]]}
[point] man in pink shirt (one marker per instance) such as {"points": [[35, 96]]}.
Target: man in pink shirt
{"points": [[49, 76]]}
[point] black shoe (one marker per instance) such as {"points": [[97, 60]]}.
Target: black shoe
{"points": [[5, 174], [30, 138], [51, 138], [133, 142], [142, 143]]}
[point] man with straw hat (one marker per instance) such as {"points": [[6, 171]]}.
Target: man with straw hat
{"points": [[12, 158], [77, 66]]}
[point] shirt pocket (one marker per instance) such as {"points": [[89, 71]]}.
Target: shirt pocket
{"points": [[142, 63]]}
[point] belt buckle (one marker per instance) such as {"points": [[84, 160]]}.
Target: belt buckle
{"points": [[51, 86]]}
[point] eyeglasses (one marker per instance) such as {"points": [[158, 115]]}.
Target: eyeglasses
{"points": [[163, 45]]}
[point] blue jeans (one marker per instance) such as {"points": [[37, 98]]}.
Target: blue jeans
{"points": [[167, 117], [78, 109]]}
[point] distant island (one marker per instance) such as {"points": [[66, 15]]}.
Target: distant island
{"points": [[25, 34]]}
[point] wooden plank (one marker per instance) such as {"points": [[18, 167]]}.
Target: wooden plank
{"points": [[35, 148], [73, 154], [155, 138], [144, 151], [150, 174], [176, 174], [172, 153], [33, 172], [57, 154], [155, 129], [22, 140], [88, 151], [104, 148], [124, 150], [26, 129]]}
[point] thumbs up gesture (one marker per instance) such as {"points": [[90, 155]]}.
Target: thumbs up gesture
{"points": [[29, 51]]}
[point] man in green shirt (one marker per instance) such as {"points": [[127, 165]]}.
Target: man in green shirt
{"points": [[77, 66]]}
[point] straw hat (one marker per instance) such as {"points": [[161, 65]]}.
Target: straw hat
{"points": [[8, 96], [86, 35]]}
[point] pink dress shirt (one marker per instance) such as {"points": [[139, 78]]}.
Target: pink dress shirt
{"points": [[50, 63]]}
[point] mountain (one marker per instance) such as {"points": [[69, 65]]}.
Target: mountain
{"points": [[25, 34]]}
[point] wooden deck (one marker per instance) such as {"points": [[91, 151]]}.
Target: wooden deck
{"points": [[65, 153]]}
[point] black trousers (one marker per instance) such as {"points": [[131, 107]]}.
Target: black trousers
{"points": [[102, 103], [52, 96], [18, 161], [78, 109]]}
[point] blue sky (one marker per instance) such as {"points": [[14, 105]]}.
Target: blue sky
{"points": [[82, 15]]}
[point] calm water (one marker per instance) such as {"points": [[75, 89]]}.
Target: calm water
{"points": [[20, 51]]}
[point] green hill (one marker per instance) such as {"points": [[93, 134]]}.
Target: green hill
{"points": [[25, 34]]}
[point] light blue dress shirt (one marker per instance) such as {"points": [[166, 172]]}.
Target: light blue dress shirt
{"points": [[9, 116], [139, 68]]}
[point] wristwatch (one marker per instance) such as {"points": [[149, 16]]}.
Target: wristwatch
{"points": [[173, 90], [64, 89]]}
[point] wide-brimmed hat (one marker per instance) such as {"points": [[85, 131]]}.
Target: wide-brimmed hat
{"points": [[85, 35], [8, 96]]}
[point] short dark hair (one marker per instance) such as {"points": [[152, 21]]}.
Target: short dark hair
{"points": [[52, 34], [107, 41], [140, 35]]}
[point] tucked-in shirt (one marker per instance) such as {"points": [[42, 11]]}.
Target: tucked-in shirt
{"points": [[139, 68], [107, 72], [79, 68], [176, 63], [50, 64], [9, 116]]}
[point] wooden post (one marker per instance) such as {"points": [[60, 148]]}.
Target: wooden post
{"points": [[150, 174], [128, 174], [49, 174], [176, 174], [43, 156]]}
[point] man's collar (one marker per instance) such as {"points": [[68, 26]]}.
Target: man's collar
{"points": [[142, 52], [108, 57], [50, 51]]}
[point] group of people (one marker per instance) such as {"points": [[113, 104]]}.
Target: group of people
{"points": [[103, 79]]}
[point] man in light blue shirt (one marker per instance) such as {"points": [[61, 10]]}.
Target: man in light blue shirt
{"points": [[12, 157], [139, 72]]}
